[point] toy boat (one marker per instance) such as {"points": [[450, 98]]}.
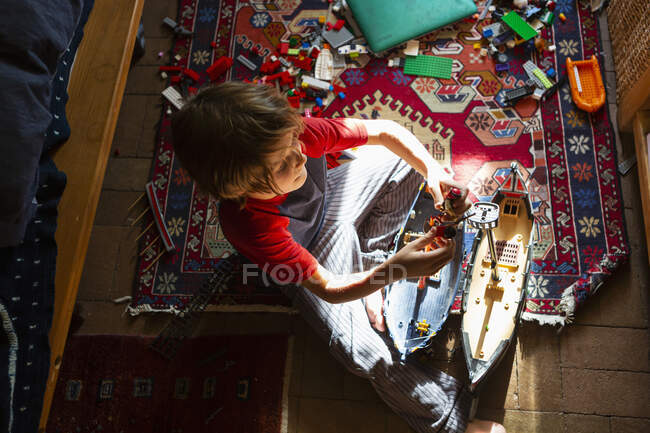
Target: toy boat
{"points": [[587, 89], [415, 315], [496, 277]]}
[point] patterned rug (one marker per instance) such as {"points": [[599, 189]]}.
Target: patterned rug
{"points": [[567, 156], [113, 383]]}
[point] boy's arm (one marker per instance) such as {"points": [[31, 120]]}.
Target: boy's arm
{"points": [[404, 144], [409, 262]]}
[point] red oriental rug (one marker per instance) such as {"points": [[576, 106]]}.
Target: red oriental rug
{"points": [[113, 384], [567, 156]]}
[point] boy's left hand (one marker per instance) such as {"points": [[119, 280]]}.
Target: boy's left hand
{"points": [[440, 190]]}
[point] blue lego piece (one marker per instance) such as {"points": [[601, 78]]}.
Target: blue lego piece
{"points": [[305, 45], [341, 95], [499, 67], [319, 102], [487, 33], [550, 72]]}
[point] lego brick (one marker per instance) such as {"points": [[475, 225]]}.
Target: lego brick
{"points": [[429, 66], [337, 38], [244, 61], [543, 78], [173, 96], [521, 27]]}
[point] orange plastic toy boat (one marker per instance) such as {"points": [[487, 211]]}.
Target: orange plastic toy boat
{"points": [[587, 88]]}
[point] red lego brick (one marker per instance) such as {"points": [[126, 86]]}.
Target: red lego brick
{"points": [[283, 48], [314, 53], [221, 65], [269, 67], [294, 101], [304, 63], [339, 24], [328, 26], [176, 79], [190, 73]]}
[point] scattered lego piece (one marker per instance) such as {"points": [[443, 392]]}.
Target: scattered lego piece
{"points": [[500, 67], [173, 96], [339, 24], [190, 73], [551, 48], [519, 26], [324, 69], [221, 65], [396, 62], [321, 19], [304, 63], [486, 8], [178, 29], [269, 67], [353, 49], [540, 43], [160, 54], [538, 93], [550, 72], [412, 48], [550, 6], [283, 48], [429, 66], [537, 75], [293, 51], [338, 38], [315, 83], [246, 62], [483, 52], [547, 18], [477, 45], [177, 57], [512, 96], [562, 17]]}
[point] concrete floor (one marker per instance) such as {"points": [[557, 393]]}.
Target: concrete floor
{"points": [[592, 377]]}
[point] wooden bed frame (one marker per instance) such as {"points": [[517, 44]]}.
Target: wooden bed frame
{"points": [[96, 88]]}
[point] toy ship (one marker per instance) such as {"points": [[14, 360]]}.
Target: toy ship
{"points": [[496, 276], [416, 308]]}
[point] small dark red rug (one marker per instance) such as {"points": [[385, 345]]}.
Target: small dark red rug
{"points": [[112, 383]]}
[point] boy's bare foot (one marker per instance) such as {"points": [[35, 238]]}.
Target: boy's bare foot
{"points": [[375, 309], [480, 426]]}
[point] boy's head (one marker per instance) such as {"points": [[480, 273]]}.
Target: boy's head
{"points": [[239, 140]]}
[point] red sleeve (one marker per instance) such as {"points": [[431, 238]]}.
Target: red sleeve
{"points": [[322, 136], [263, 238]]}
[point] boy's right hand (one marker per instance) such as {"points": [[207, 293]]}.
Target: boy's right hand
{"points": [[418, 263]]}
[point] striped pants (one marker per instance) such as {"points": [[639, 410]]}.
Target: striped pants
{"points": [[367, 201]]}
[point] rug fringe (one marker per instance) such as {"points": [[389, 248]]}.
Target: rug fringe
{"points": [[255, 308], [568, 304], [146, 308], [544, 319]]}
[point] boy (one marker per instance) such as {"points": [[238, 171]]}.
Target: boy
{"points": [[324, 235]]}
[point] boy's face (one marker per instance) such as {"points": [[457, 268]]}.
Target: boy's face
{"points": [[287, 167]]}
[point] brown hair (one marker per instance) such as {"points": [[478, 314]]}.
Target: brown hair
{"points": [[224, 134]]}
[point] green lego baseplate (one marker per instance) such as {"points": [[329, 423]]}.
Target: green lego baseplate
{"points": [[428, 66], [519, 26]]}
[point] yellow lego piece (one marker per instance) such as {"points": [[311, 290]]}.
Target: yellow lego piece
{"points": [[477, 45], [321, 19]]}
